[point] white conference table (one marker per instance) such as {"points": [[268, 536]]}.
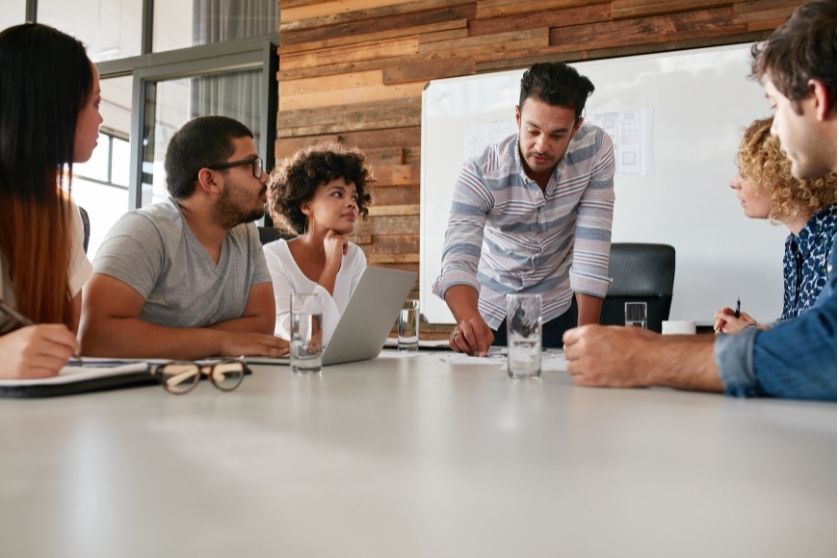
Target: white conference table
{"points": [[415, 457]]}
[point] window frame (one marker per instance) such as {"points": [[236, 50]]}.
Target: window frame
{"points": [[148, 68]]}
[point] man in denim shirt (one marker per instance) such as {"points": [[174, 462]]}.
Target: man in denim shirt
{"points": [[795, 358]]}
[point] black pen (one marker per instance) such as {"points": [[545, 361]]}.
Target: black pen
{"points": [[737, 310]]}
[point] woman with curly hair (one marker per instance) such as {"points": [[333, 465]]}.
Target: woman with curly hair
{"points": [[767, 190], [317, 194]]}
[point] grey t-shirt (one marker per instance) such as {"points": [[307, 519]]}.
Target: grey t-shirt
{"points": [[153, 251]]}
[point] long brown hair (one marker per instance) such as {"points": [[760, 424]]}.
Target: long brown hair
{"points": [[45, 79]]}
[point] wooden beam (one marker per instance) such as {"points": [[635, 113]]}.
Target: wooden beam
{"points": [[550, 18], [424, 69], [406, 137], [365, 51], [498, 8], [311, 10], [473, 46], [657, 29], [622, 9], [388, 195], [351, 96], [393, 9], [561, 54], [371, 37], [394, 210], [399, 113]]}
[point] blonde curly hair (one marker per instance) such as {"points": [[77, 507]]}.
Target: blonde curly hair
{"points": [[761, 162]]}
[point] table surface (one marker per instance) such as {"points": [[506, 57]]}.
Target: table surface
{"points": [[415, 457]]}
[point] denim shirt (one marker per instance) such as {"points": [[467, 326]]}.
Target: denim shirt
{"points": [[795, 358]]}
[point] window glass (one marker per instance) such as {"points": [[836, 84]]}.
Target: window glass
{"points": [[12, 12], [109, 29], [236, 95], [186, 23], [100, 185]]}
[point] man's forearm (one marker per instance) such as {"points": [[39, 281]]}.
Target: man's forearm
{"points": [[248, 324], [680, 361], [588, 309], [135, 338], [462, 301]]}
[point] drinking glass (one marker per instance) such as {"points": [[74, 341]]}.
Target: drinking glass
{"points": [[408, 327], [524, 335], [306, 332], [635, 314]]}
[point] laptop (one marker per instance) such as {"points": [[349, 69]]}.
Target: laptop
{"points": [[366, 322]]}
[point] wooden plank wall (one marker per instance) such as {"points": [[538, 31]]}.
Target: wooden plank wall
{"points": [[353, 71]]}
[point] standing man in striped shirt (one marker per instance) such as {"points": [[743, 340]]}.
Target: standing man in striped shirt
{"points": [[532, 214]]}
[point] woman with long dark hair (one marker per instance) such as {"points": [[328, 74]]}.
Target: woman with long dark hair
{"points": [[49, 119]]}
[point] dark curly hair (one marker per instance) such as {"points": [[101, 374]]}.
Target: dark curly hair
{"points": [[295, 181], [801, 49], [557, 84]]}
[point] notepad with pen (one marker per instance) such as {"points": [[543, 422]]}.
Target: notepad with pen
{"points": [[82, 377]]}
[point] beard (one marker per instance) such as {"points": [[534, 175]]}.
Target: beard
{"points": [[228, 214]]}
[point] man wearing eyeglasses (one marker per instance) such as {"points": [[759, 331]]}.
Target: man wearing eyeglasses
{"points": [[186, 278]]}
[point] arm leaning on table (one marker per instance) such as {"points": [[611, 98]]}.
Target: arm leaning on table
{"points": [[458, 284], [794, 359], [111, 326], [593, 235], [134, 271]]}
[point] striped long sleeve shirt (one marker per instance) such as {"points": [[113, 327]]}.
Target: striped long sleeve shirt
{"points": [[507, 236]]}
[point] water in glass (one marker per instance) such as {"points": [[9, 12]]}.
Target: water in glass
{"points": [[306, 342]]}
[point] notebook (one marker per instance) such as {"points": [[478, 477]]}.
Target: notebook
{"points": [[365, 324], [90, 375]]}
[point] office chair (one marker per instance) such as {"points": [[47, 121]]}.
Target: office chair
{"points": [[270, 234], [86, 226], [640, 273]]}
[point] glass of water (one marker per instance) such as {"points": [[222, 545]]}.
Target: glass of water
{"points": [[306, 332], [408, 327], [635, 314], [524, 335]]}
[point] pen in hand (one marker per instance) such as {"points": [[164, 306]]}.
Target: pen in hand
{"points": [[737, 308], [23, 321]]}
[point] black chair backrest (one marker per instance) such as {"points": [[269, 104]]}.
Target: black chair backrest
{"points": [[86, 225], [270, 234], [642, 273]]}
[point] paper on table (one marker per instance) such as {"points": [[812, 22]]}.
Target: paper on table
{"points": [[552, 359], [399, 355]]}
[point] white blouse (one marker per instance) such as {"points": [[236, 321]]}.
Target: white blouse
{"points": [[288, 278]]}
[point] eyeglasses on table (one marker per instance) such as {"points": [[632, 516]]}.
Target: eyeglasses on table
{"points": [[180, 377]]}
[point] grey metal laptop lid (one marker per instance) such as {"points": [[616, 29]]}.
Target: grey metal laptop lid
{"points": [[373, 309]]}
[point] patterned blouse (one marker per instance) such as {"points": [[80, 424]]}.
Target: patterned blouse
{"points": [[805, 262]]}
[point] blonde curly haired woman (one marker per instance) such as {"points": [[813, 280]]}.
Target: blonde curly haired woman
{"points": [[767, 190]]}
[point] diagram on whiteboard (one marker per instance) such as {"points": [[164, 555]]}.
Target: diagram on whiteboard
{"points": [[632, 133]]}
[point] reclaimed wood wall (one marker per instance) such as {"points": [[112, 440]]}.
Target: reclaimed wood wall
{"points": [[353, 71]]}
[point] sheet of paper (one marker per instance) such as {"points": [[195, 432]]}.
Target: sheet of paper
{"points": [[552, 359], [632, 135]]}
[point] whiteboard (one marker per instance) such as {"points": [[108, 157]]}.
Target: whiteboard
{"points": [[691, 108]]}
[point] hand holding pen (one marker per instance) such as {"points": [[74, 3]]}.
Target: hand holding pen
{"points": [[728, 320], [34, 350]]}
